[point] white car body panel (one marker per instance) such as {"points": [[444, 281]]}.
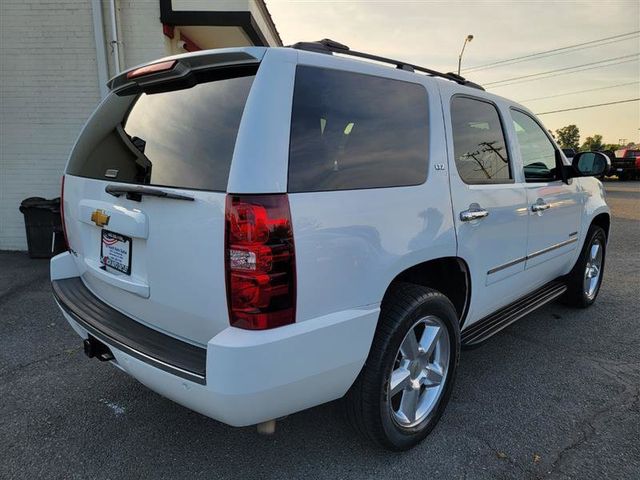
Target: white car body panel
{"points": [[192, 294], [491, 245], [351, 244], [250, 375], [260, 159], [349, 247]]}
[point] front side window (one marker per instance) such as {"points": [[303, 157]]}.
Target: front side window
{"points": [[353, 131], [478, 142], [537, 151]]}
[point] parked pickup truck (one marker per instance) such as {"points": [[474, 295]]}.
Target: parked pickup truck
{"points": [[255, 231], [626, 164]]}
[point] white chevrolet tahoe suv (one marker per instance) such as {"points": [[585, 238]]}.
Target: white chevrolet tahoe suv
{"points": [[255, 231]]}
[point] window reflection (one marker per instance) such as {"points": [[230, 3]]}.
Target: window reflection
{"points": [[353, 131], [537, 151], [182, 138], [479, 145]]}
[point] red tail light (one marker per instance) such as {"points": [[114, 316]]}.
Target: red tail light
{"points": [[64, 227], [260, 261]]}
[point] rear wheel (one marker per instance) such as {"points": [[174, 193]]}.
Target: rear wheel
{"points": [[407, 380], [585, 279]]}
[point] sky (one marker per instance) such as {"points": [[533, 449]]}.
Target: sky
{"points": [[431, 34]]}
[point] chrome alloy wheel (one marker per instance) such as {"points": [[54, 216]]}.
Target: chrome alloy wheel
{"points": [[593, 270], [419, 372]]}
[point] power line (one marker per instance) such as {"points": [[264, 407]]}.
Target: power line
{"points": [[590, 106], [577, 46], [564, 73], [507, 64], [580, 91], [486, 65], [561, 69]]}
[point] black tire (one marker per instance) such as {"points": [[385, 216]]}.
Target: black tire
{"points": [[367, 404], [576, 295]]}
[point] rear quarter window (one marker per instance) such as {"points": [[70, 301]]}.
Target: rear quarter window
{"points": [[354, 131], [181, 138]]}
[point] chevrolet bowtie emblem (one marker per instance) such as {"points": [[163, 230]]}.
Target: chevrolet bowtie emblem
{"points": [[100, 218]]}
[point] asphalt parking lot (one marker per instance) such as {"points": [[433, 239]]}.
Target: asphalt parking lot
{"points": [[556, 395]]}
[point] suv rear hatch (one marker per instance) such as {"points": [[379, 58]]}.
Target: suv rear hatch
{"points": [[144, 192]]}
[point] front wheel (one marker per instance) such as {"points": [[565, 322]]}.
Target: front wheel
{"points": [[585, 278], [407, 380]]}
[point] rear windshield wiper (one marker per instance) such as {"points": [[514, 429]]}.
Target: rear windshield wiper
{"points": [[135, 192]]}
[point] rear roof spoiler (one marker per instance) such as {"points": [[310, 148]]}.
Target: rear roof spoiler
{"points": [[187, 70]]}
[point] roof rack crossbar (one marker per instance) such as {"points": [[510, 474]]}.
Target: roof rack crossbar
{"points": [[329, 46]]}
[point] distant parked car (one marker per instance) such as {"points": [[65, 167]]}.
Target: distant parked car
{"points": [[626, 164]]}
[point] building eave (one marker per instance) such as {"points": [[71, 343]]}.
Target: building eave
{"points": [[243, 20]]}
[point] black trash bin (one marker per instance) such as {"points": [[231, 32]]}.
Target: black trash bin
{"points": [[43, 226]]}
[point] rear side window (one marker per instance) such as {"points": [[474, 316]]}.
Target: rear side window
{"points": [[478, 142], [181, 138], [352, 131]]}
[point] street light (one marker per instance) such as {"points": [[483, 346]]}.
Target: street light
{"points": [[466, 40]]}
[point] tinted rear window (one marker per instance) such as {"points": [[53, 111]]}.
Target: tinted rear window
{"points": [[351, 131], [181, 138]]}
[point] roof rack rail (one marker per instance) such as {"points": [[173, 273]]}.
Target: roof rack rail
{"points": [[330, 47]]}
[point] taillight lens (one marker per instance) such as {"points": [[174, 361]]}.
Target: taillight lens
{"points": [[64, 227], [260, 261], [153, 68]]}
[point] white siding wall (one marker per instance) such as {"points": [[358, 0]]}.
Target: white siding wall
{"points": [[48, 87], [140, 31]]}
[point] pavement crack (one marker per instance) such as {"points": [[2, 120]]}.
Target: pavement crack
{"points": [[584, 437], [588, 429], [501, 455]]}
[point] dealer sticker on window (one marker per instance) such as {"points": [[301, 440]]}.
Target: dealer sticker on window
{"points": [[115, 251]]}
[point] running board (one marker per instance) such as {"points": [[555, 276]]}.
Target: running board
{"points": [[492, 324]]}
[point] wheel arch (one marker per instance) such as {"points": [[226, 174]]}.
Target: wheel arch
{"points": [[449, 275], [603, 220]]}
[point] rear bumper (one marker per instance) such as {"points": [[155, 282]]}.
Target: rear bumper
{"points": [[249, 376], [120, 331], [623, 166]]}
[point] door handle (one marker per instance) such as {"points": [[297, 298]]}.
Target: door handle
{"points": [[540, 206], [475, 212]]}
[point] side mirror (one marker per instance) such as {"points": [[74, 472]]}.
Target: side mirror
{"points": [[590, 164]]}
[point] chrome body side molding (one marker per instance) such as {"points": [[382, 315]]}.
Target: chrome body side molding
{"points": [[574, 238]]}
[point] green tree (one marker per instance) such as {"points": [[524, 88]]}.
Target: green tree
{"points": [[611, 146], [568, 137], [592, 144]]}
